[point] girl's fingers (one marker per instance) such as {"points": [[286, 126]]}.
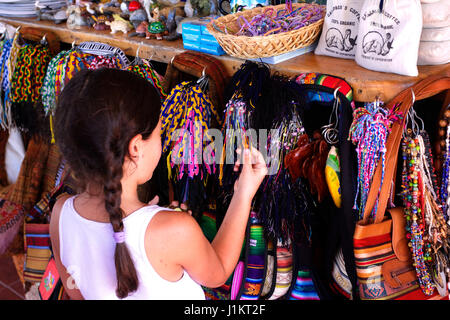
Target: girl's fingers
{"points": [[238, 160]]}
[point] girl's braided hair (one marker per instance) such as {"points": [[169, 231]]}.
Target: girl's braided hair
{"points": [[98, 113]]}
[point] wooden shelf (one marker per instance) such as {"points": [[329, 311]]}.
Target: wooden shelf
{"points": [[366, 84]]}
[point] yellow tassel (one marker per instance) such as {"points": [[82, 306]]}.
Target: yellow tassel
{"points": [[169, 168], [51, 130]]}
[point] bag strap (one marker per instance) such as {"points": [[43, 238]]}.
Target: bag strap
{"points": [[423, 89]]}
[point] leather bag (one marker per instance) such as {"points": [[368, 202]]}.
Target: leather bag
{"points": [[382, 256]]}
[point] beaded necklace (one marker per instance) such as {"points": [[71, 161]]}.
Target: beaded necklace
{"points": [[444, 190], [425, 223], [413, 200], [369, 130]]}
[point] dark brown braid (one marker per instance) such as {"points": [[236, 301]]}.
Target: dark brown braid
{"points": [[98, 113], [127, 280]]}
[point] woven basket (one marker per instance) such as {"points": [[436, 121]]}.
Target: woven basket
{"points": [[262, 46]]}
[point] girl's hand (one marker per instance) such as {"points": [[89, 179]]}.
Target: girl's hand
{"points": [[254, 169]]}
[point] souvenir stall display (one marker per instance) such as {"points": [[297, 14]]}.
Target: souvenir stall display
{"points": [[355, 204]]}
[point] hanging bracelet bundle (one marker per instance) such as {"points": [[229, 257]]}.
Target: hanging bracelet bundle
{"points": [[369, 131], [273, 22]]}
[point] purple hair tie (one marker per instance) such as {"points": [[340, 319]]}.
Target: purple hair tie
{"points": [[119, 237]]}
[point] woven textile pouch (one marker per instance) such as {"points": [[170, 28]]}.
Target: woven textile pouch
{"points": [[50, 287], [20, 197], [255, 261], [37, 242], [304, 288], [284, 272]]}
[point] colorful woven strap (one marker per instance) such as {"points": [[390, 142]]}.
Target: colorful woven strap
{"points": [[327, 81], [146, 71], [76, 62], [48, 87], [29, 73]]}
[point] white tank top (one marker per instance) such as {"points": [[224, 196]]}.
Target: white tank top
{"points": [[87, 251]]}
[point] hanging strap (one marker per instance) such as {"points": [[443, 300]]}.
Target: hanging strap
{"points": [[423, 89]]}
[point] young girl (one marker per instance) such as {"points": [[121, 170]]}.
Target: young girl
{"points": [[107, 244]]}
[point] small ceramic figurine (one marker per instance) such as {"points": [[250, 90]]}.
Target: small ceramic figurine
{"points": [[154, 16], [171, 23], [46, 13], [119, 24], [137, 16], [75, 19], [156, 30], [141, 30], [100, 22], [148, 7], [124, 7]]}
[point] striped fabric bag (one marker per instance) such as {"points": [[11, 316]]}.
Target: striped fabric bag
{"points": [[37, 247], [341, 283], [284, 271], [255, 264], [304, 288], [269, 278]]}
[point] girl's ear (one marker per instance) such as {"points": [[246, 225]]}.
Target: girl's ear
{"points": [[135, 146]]}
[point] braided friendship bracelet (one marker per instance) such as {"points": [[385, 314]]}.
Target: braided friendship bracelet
{"points": [[369, 131], [187, 108], [271, 22], [146, 71]]}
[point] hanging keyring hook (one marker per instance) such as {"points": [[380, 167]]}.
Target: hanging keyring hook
{"points": [[415, 116], [335, 108], [137, 50], [335, 92], [330, 132]]}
